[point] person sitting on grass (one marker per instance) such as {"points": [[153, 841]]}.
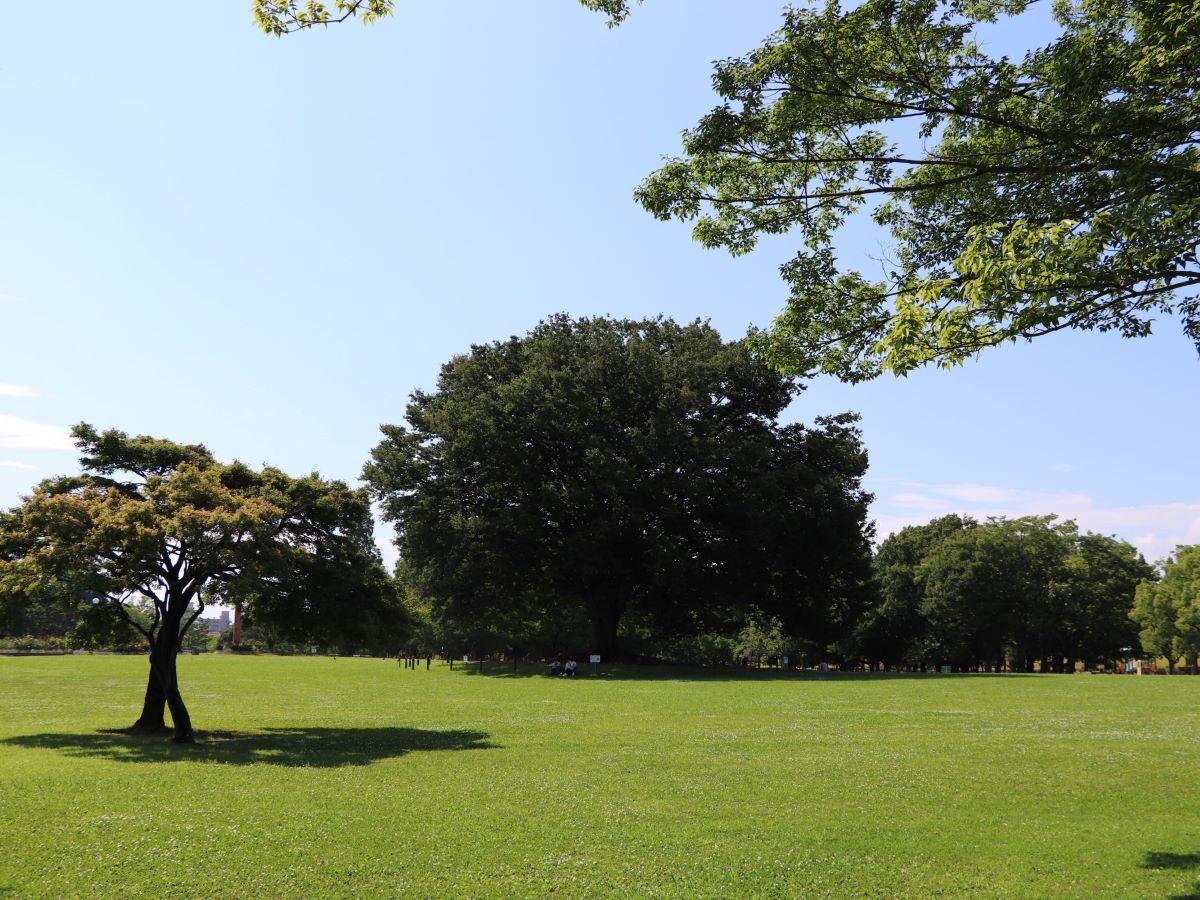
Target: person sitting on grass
{"points": [[569, 668], [556, 667]]}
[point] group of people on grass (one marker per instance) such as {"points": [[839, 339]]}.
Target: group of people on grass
{"points": [[564, 669]]}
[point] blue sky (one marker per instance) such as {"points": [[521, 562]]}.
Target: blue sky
{"points": [[265, 245]]}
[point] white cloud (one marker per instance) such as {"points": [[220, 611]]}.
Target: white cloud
{"points": [[954, 495], [1154, 528], [967, 493], [385, 540], [919, 501], [977, 493], [16, 390], [14, 464], [16, 432]]}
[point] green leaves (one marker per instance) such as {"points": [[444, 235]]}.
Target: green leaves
{"points": [[280, 17], [616, 10], [1168, 610], [1022, 198], [149, 519], [608, 467], [1008, 590]]}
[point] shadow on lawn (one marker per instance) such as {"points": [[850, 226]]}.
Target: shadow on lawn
{"points": [[294, 747], [653, 672], [1182, 862]]}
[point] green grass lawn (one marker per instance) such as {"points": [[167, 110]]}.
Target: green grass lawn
{"points": [[323, 777]]}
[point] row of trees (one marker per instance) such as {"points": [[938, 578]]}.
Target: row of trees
{"points": [[1002, 594], [608, 485], [1168, 611], [598, 485]]}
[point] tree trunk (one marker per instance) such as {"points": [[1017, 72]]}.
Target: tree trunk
{"points": [[152, 720], [163, 658], [179, 712], [1020, 659], [605, 617]]}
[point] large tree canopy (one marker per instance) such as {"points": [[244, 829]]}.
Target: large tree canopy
{"points": [[1060, 190], [165, 527], [616, 468]]}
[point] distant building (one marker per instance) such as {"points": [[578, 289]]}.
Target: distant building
{"points": [[220, 623]]}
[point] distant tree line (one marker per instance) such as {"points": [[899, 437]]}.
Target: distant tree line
{"points": [[1018, 595], [626, 488], [1168, 610], [1002, 594]]}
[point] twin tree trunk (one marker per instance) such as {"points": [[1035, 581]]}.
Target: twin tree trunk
{"points": [[605, 616], [162, 689]]}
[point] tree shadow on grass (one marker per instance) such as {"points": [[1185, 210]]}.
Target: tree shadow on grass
{"points": [[1181, 862], [663, 672], [292, 747]]}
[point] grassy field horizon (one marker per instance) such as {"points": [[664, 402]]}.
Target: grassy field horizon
{"points": [[335, 777]]}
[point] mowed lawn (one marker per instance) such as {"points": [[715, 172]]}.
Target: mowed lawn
{"points": [[337, 777]]}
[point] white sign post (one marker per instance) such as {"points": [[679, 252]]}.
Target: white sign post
{"points": [[595, 658]]}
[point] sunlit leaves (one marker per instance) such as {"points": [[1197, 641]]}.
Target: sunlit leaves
{"points": [[280, 17], [149, 518], [1056, 191]]}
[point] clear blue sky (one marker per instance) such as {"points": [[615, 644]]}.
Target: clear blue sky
{"points": [[265, 245]]}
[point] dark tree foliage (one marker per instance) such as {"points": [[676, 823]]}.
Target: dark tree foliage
{"points": [[1167, 610], [21, 617], [891, 630], [615, 468], [1004, 593], [151, 529], [987, 590], [1100, 573]]}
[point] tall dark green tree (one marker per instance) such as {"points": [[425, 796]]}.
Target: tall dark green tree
{"points": [[1167, 611], [1100, 584], [164, 526], [617, 468], [979, 585], [893, 629]]}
